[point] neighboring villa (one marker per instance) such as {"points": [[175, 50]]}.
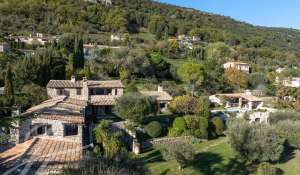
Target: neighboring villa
{"points": [[245, 67], [106, 2], [186, 41], [116, 37], [5, 48], [291, 82], [57, 130], [37, 38], [245, 101], [88, 49], [163, 98]]}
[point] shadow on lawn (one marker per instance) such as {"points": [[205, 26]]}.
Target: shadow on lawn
{"points": [[287, 154], [211, 164], [153, 156]]}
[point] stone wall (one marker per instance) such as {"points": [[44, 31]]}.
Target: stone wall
{"points": [[57, 126], [26, 130], [164, 141], [71, 92]]}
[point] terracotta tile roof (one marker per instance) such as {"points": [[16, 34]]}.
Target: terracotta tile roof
{"points": [[64, 84], [60, 108], [159, 95], [45, 156], [79, 84], [102, 100], [74, 119], [242, 95]]}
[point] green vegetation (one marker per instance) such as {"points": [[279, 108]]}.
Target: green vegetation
{"points": [[213, 157], [135, 107], [153, 129]]}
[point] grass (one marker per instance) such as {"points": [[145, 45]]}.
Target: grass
{"points": [[213, 158], [291, 167]]}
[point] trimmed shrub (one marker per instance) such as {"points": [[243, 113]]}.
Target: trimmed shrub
{"points": [[197, 126], [153, 129], [266, 169], [218, 126], [179, 127], [185, 104]]}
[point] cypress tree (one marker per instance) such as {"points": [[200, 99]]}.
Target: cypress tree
{"points": [[78, 53], [8, 85]]}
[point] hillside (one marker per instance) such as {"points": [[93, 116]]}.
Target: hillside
{"points": [[60, 16]]}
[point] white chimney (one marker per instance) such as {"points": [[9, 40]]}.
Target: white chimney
{"points": [[73, 79], [85, 89], [160, 88], [248, 92]]}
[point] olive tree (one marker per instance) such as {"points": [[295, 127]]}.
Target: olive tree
{"points": [[182, 152], [255, 142], [135, 107]]}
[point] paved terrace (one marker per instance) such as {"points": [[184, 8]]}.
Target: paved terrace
{"points": [[40, 156]]}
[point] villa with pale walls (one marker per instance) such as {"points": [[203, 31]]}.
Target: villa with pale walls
{"points": [[244, 67]]}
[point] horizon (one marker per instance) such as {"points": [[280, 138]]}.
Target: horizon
{"points": [[257, 12]]}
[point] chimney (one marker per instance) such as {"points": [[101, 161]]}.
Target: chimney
{"points": [[160, 88], [248, 92], [73, 79], [85, 89]]}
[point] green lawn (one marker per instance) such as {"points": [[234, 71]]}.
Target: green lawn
{"points": [[213, 158]]}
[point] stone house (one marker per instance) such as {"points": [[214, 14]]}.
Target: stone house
{"points": [[291, 82], [245, 101], [70, 111], [163, 98], [245, 67]]}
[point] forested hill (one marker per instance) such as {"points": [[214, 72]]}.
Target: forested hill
{"points": [[60, 16]]}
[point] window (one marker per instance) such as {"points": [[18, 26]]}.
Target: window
{"points": [[41, 130], [71, 130], [78, 91], [60, 91]]}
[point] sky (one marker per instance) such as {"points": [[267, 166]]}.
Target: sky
{"points": [[271, 13]]}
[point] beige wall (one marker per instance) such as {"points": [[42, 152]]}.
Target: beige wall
{"points": [[73, 93]]}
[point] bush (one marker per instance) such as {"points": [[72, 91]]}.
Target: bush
{"points": [[266, 169], [289, 130], [283, 115], [218, 126], [153, 129], [197, 126], [185, 104], [179, 127]]}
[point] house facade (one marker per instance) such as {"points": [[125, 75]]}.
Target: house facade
{"points": [[1, 90], [245, 101], [291, 82], [163, 98], [70, 111], [245, 67], [5, 48]]}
